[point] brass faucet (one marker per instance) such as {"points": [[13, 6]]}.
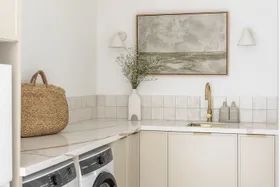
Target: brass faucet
{"points": [[208, 96]]}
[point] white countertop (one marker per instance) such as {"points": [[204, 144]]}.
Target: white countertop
{"points": [[42, 152]]}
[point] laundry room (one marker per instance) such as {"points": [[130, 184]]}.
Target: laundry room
{"points": [[139, 93]]}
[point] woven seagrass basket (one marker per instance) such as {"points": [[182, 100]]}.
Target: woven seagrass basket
{"points": [[44, 108]]}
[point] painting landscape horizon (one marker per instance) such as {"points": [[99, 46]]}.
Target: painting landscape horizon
{"points": [[185, 44]]}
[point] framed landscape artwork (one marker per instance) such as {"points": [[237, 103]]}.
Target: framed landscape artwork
{"points": [[186, 43]]}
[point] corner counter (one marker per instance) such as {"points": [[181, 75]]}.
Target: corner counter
{"points": [[38, 153]]}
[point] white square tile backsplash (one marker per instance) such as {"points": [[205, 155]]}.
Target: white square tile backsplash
{"points": [[272, 103], [157, 113], [75, 103], [193, 102], [171, 107], [271, 116], [203, 113], [84, 102], [215, 115], [101, 100], [203, 102], [111, 112], [157, 101], [122, 100], [181, 101], [94, 113], [181, 114], [259, 103], [246, 115], [91, 101], [101, 112], [194, 114], [146, 101], [78, 115], [246, 102], [147, 113], [111, 100], [259, 116], [169, 101], [169, 113], [122, 113], [68, 102]]}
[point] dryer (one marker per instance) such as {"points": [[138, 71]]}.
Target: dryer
{"points": [[97, 168], [61, 175]]}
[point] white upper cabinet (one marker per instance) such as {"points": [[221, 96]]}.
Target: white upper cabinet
{"points": [[8, 20], [256, 161], [202, 160]]}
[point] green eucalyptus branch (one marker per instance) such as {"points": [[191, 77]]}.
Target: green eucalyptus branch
{"points": [[136, 68]]}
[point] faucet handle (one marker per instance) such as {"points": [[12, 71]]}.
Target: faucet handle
{"points": [[208, 116]]}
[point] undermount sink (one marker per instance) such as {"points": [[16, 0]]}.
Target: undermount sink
{"points": [[206, 125]]}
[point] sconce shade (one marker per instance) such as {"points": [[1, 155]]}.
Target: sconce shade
{"points": [[118, 40], [247, 39]]}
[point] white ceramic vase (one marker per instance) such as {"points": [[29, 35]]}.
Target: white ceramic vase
{"points": [[134, 106]]}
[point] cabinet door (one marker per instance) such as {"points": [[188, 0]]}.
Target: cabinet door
{"points": [[202, 160], [133, 161], [119, 149], [8, 19], [153, 159], [256, 161]]}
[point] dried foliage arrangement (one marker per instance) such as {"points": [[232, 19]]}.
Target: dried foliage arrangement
{"points": [[137, 69]]}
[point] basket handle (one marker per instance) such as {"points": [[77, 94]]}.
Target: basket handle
{"points": [[43, 76]]}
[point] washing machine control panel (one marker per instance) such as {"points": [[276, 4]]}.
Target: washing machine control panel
{"points": [[58, 178], [93, 163]]}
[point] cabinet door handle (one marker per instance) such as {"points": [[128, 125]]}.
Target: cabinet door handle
{"points": [[256, 135], [202, 133]]}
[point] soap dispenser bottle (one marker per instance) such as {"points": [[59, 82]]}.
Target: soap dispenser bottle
{"points": [[234, 112], [224, 112]]}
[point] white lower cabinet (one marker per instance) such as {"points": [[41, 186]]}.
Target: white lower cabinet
{"points": [[119, 149], [201, 160], [133, 174], [153, 159], [126, 161], [256, 161], [206, 160]]}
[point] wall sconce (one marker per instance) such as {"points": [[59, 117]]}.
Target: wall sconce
{"points": [[118, 40], [247, 38]]}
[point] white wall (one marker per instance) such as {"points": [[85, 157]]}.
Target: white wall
{"points": [[59, 37], [252, 71]]}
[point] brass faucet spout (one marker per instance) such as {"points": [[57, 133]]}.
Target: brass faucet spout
{"points": [[208, 97], [207, 91]]}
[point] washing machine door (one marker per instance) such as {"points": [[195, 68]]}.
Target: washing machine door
{"points": [[105, 180]]}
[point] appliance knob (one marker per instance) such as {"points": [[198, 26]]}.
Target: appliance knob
{"points": [[69, 171], [101, 160], [56, 179]]}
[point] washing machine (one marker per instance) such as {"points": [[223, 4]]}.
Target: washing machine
{"points": [[97, 168], [61, 175]]}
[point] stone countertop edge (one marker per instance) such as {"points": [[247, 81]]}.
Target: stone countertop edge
{"points": [[91, 145], [25, 171], [211, 130]]}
